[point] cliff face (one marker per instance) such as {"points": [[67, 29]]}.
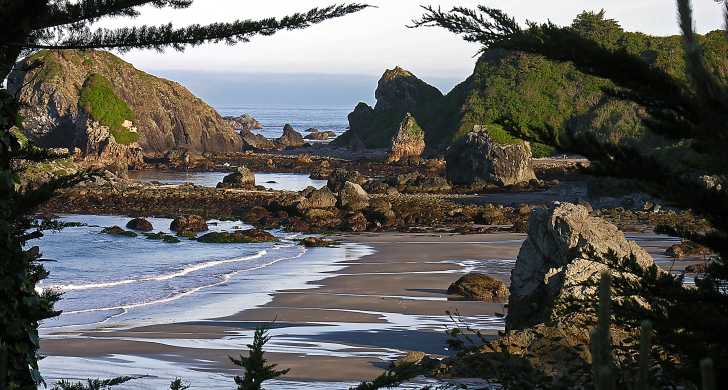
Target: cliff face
{"points": [[165, 115], [518, 95]]}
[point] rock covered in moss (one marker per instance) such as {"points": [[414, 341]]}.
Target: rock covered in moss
{"points": [[238, 237], [168, 238], [117, 231], [477, 158], [189, 224], [317, 242], [480, 287], [140, 224], [166, 115], [408, 142], [243, 178]]}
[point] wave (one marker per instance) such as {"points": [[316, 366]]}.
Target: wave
{"points": [[223, 279], [158, 278]]}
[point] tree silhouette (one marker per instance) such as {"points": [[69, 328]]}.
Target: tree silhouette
{"points": [[30, 25]]}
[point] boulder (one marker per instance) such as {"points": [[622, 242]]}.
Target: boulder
{"points": [[408, 142], [316, 242], [477, 158], [140, 224], [320, 136], [290, 138], [117, 231], [353, 197], [558, 257], [356, 222], [318, 199], [238, 237], [339, 176], [243, 123], [169, 239], [479, 287], [380, 210], [256, 141], [188, 224], [242, 178]]}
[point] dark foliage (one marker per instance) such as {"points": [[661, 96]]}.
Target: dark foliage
{"points": [[60, 24], [257, 369]]}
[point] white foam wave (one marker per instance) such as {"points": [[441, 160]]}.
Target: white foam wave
{"points": [[158, 278], [223, 279]]}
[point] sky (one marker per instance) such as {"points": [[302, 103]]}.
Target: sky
{"points": [[366, 43]]}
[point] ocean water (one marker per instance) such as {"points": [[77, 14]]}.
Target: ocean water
{"points": [[273, 118], [120, 281], [274, 181]]}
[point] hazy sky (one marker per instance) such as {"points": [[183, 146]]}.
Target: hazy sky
{"points": [[377, 38]]}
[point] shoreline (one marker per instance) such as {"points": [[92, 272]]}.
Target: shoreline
{"points": [[340, 329], [374, 307]]}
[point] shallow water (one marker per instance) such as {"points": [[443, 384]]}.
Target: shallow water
{"points": [[274, 181]]}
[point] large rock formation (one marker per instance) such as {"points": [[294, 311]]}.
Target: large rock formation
{"points": [[58, 97], [477, 158], [558, 257], [99, 145], [290, 138], [408, 142], [399, 92], [244, 122]]}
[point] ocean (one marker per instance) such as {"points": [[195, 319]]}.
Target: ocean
{"points": [[273, 118]]}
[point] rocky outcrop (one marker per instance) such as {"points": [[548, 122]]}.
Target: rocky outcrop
{"points": [[165, 114], [238, 237], [558, 257], [290, 138], [477, 158], [318, 199], [140, 224], [399, 92], [243, 123], [242, 179], [100, 146], [352, 197], [409, 142], [340, 176], [320, 135], [188, 224], [479, 287], [256, 141]]}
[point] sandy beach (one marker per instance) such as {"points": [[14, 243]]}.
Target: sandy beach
{"points": [[343, 329]]}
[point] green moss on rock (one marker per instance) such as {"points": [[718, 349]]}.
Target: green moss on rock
{"points": [[98, 99]]}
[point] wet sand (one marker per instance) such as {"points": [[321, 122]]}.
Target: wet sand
{"points": [[345, 329]]}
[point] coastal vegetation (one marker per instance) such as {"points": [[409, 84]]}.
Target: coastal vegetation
{"points": [[98, 99]]}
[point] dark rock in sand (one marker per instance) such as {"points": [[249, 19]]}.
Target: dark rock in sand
{"points": [[117, 231], [316, 242], [479, 287], [140, 224], [188, 224], [477, 158], [353, 197], [243, 179], [290, 138], [238, 237]]}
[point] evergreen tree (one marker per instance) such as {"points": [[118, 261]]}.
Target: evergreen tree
{"points": [[257, 369], [30, 25]]}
